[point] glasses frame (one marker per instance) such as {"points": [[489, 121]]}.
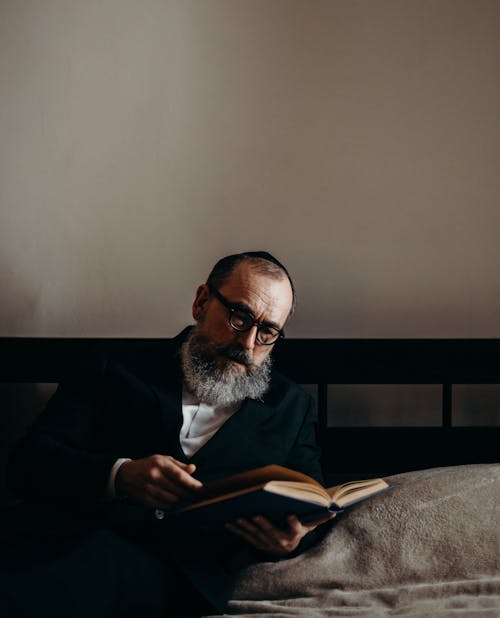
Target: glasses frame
{"points": [[232, 309]]}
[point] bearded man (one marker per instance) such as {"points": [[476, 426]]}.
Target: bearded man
{"points": [[123, 438]]}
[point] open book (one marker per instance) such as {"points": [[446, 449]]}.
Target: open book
{"points": [[272, 491]]}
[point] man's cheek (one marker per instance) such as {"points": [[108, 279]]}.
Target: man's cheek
{"points": [[259, 359]]}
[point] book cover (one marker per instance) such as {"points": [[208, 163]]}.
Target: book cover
{"points": [[272, 491]]}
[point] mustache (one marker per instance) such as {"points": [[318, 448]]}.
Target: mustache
{"points": [[236, 353]]}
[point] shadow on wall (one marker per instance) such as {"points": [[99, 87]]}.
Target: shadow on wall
{"points": [[19, 305], [20, 405]]}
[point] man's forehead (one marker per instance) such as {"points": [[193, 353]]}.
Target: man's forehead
{"points": [[248, 283]]}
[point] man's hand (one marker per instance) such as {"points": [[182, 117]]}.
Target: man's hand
{"points": [[267, 537], [159, 481]]}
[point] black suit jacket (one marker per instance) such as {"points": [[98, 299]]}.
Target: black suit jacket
{"points": [[113, 408]]}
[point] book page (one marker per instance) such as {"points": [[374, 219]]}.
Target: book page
{"points": [[354, 490], [299, 491]]}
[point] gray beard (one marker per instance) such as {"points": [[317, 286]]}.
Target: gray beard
{"points": [[221, 386]]}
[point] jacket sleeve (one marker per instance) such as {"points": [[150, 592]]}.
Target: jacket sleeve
{"points": [[55, 461]]}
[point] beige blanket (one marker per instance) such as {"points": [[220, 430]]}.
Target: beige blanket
{"points": [[428, 548]]}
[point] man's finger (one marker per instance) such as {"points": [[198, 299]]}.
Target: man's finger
{"points": [[176, 473], [154, 475], [271, 531], [165, 484], [247, 536], [247, 525], [188, 467], [265, 537], [295, 525], [264, 523]]}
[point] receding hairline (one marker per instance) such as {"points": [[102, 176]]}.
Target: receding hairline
{"points": [[261, 262]]}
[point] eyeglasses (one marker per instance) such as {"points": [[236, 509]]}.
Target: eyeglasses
{"points": [[242, 321]]}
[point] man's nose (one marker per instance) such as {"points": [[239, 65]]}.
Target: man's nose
{"points": [[248, 338]]}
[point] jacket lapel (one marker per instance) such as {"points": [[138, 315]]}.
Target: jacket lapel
{"points": [[222, 454]]}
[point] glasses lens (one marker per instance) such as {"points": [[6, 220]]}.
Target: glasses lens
{"points": [[241, 320], [267, 335]]}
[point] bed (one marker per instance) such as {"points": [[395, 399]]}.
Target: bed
{"points": [[429, 547]]}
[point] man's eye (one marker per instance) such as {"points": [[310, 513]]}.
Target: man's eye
{"points": [[268, 334], [241, 320]]}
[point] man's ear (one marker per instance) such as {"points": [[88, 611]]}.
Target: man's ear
{"points": [[200, 301]]}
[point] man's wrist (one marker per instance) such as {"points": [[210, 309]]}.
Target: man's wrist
{"points": [[112, 490]]}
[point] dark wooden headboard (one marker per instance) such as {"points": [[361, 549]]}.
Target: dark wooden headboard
{"points": [[321, 362]]}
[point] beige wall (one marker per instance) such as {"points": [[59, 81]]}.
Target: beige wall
{"points": [[357, 140]]}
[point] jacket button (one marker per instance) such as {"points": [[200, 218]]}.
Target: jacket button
{"points": [[159, 514]]}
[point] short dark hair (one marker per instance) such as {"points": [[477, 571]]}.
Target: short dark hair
{"points": [[264, 262]]}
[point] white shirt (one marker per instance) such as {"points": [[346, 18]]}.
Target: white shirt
{"points": [[200, 422]]}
